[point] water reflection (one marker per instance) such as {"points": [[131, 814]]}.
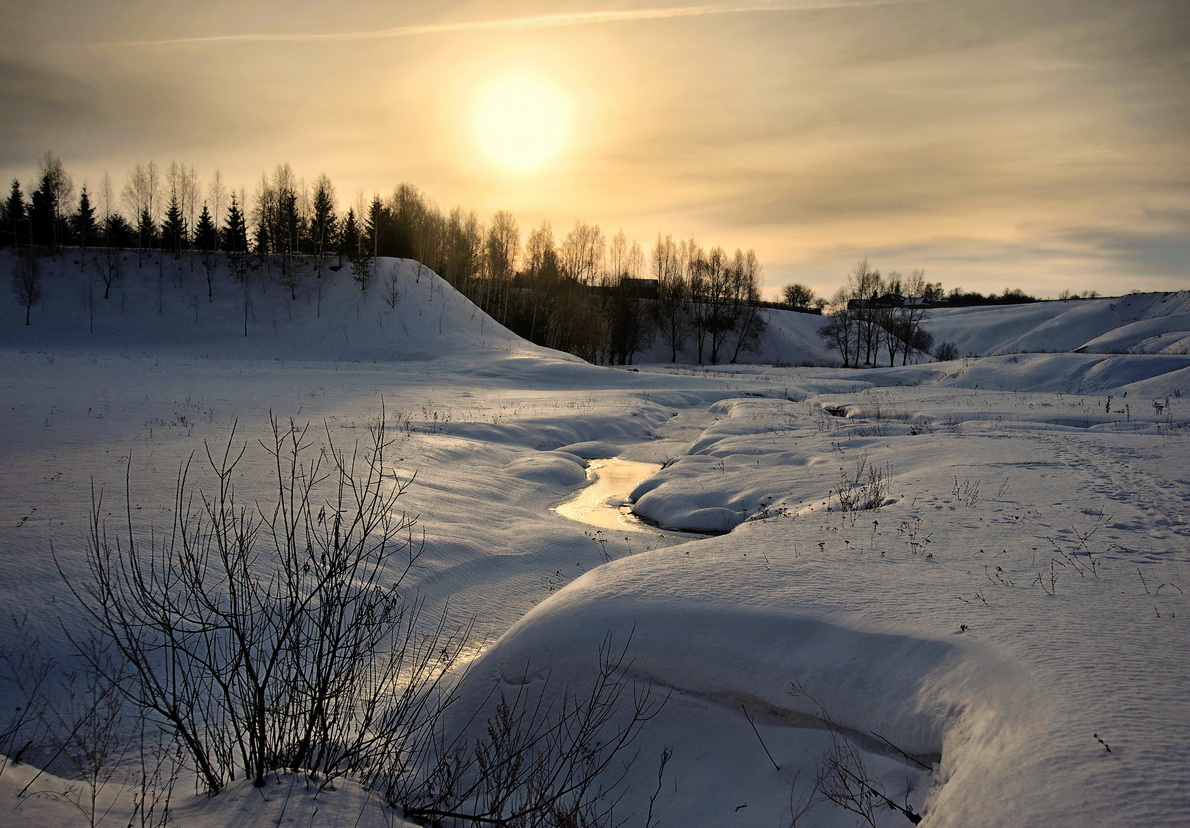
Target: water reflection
{"points": [[603, 503]]}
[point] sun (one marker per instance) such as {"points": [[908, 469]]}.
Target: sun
{"points": [[521, 122]]}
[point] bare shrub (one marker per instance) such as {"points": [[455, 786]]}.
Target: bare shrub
{"points": [[28, 672], [273, 635], [543, 758], [70, 722], [966, 491], [843, 778], [865, 489]]}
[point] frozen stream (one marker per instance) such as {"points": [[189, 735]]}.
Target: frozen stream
{"points": [[604, 502]]}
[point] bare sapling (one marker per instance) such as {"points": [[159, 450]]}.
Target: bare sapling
{"points": [[542, 757], [273, 635]]}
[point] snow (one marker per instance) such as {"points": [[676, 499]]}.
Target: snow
{"points": [[1143, 323], [1014, 608]]}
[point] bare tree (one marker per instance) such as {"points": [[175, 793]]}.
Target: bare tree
{"points": [[107, 199], [272, 636], [26, 280], [747, 321], [672, 306], [217, 196], [141, 198], [392, 286], [841, 330], [108, 263], [915, 313], [181, 183], [503, 250], [582, 253], [864, 286]]}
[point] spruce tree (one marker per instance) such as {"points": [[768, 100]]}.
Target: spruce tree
{"points": [[349, 239], [117, 232], [173, 229], [323, 223], [377, 228], [49, 203], [41, 217], [84, 221], [206, 238], [146, 230], [235, 229], [15, 230]]}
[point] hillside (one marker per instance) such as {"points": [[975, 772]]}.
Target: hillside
{"points": [[1142, 323], [161, 302]]}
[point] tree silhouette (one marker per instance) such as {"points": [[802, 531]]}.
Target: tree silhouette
{"points": [[235, 229], [84, 221], [15, 228]]}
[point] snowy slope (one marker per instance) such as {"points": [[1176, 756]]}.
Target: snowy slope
{"points": [[1145, 323], [161, 304]]}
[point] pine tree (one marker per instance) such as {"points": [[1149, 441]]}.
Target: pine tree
{"points": [[289, 224], [173, 229], [84, 221], [49, 203], [349, 239], [206, 238], [235, 229], [146, 230], [15, 231], [377, 228], [260, 242], [117, 232], [323, 223], [41, 217]]}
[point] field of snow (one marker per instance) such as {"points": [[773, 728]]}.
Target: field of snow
{"points": [[969, 577]]}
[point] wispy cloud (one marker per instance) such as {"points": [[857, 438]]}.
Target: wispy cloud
{"points": [[549, 21]]}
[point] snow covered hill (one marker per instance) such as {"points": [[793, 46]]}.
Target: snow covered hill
{"points": [[1142, 323], [166, 305], [407, 311]]}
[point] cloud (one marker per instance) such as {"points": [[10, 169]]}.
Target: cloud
{"points": [[38, 101], [548, 21]]}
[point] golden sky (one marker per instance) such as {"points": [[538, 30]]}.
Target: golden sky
{"points": [[1041, 144]]}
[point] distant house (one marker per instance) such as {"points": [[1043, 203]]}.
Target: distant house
{"points": [[888, 300], [641, 288]]}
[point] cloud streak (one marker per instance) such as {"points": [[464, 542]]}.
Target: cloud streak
{"points": [[549, 21]]}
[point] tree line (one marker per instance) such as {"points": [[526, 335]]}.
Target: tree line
{"points": [[597, 297], [875, 316]]}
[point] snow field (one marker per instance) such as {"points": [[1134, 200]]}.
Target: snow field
{"points": [[1014, 607]]}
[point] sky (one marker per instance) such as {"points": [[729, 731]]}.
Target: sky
{"points": [[1039, 144]]}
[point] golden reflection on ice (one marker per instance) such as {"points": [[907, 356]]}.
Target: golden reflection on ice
{"points": [[602, 503]]}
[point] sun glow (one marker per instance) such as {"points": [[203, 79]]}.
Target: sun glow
{"points": [[521, 123]]}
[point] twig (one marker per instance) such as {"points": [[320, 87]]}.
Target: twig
{"points": [[758, 737], [913, 759]]}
